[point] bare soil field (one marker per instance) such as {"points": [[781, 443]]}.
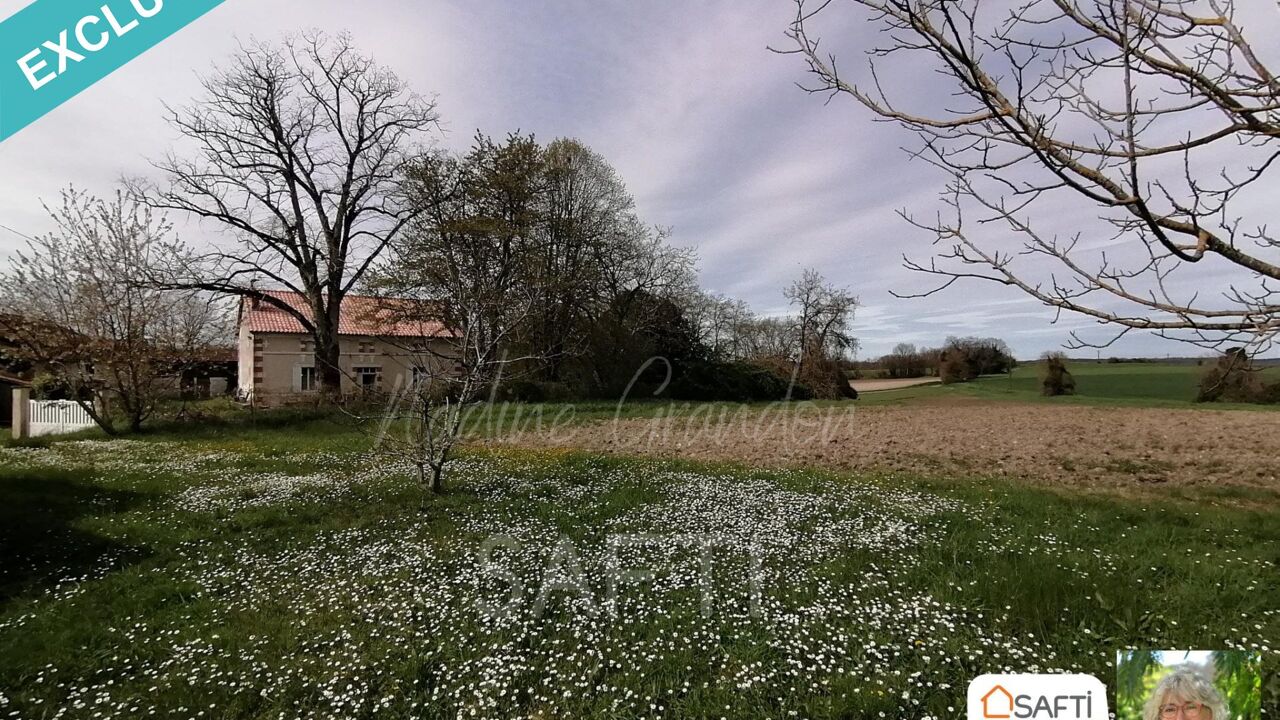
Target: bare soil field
{"points": [[875, 384], [1117, 449]]}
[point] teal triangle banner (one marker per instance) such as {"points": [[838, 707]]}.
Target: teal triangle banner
{"points": [[53, 49]]}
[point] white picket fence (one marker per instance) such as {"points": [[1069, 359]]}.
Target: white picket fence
{"points": [[54, 417]]}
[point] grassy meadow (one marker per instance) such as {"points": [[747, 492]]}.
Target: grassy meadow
{"points": [[283, 570], [1146, 384]]}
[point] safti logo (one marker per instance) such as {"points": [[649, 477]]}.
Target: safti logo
{"points": [[1032, 697]]}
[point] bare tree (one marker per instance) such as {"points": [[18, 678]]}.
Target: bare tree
{"points": [[906, 361], [299, 150], [722, 323], [1161, 117], [769, 338], [640, 272], [80, 306], [824, 314]]}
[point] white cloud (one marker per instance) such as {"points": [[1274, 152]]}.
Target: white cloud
{"points": [[700, 118]]}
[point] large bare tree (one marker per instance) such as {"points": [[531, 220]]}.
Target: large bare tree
{"points": [[1106, 157], [823, 314], [297, 151]]}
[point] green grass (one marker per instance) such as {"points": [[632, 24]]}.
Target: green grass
{"points": [[282, 570], [1110, 381], [1116, 384]]}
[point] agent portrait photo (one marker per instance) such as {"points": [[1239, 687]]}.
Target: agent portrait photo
{"points": [[1188, 685]]}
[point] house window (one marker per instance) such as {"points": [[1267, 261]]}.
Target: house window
{"points": [[368, 378], [366, 347], [307, 379]]}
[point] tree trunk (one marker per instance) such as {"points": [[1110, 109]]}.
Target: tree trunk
{"points": [[436, 483], [555, 358], [552, 373], [97, 410], [327, 357]]}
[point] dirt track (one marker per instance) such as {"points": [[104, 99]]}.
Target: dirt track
{"points": [[1066, 445], [891, 384]]}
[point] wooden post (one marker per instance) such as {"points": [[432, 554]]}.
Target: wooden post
{"points": [[21, 413]]}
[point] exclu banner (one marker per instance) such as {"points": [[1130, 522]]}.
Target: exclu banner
{"points": [[53, 49]]}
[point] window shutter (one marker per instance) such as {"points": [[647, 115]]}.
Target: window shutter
{"points": [[297, 378]]}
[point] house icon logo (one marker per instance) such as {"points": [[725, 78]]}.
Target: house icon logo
{"points": [[997, 703], [1036, 696]]}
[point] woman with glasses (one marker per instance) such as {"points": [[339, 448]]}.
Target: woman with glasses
{"points": [[1185, 694]]}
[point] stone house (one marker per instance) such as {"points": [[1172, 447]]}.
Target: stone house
{"points": [[378, 351]]}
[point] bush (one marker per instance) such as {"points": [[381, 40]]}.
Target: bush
{"points": [[826, 378], [963, 359], [732, 381], [1056, 379], [535, 391], [1269, 394], [955, 367], [45, 386], [1234, 379]]}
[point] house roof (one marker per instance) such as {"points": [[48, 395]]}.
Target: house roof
{"points": [[217, 355], [9, 378], [14, 328], [361, 315]]}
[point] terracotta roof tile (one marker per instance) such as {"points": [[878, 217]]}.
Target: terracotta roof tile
{"points": [[361, 315]]}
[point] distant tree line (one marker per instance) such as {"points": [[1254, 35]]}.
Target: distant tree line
{"points": [[960, 359]]}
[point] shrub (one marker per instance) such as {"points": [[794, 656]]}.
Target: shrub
{"points": [[963, 359], [1234, 379], [954, 367], [826, 379], [535, 391], [1056, 379], [1269, 394], [45, 386], [734, 382]]}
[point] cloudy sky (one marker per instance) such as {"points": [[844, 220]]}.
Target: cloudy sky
{"points": [[685, 99]]}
